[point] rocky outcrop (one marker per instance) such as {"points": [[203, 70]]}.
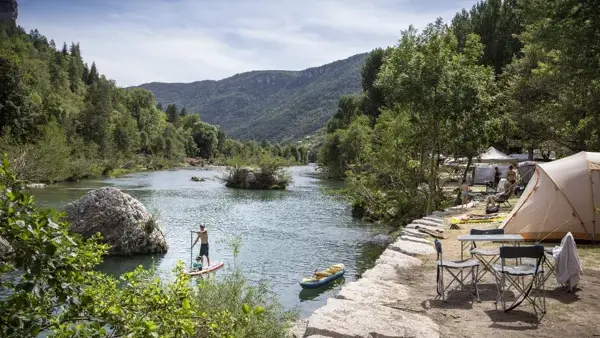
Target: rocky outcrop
{"points": [[9, 11], [122, 220]]}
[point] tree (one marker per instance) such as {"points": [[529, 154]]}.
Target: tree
{"points": [[348, 108], [64, 50], [183, 112], [373, 97], [172, 114], [15, 109], [93, 75]]}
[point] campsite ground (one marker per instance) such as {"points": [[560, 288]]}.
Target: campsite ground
{"points": [[568, 314]]}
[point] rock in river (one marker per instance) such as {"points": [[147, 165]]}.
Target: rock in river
{"points": [[122, 220]]}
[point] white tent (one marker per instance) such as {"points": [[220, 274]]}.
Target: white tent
{"points": [[561, 197], [493, 155], [485, 173]]}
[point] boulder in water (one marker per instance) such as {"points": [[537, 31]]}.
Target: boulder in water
{"points": [[122, 220]]}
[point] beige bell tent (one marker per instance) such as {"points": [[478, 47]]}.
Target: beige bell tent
{"points": [[562, 196]]}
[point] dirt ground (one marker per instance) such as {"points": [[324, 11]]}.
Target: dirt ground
{"points": [[573, 314]]}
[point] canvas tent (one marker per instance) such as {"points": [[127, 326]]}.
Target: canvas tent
{"points": [[561, 197], [493, 155], [526, 170], [485, 173]]}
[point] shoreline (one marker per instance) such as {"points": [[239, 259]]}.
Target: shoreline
{"points": [[397, 297], [362, 307]]}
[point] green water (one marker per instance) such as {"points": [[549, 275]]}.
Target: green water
{"points": [[285, 234]]}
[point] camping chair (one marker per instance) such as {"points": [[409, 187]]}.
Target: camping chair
{"points": [[504, 197], [549, 263], [487, 257], [512, 273], [455, 269]]}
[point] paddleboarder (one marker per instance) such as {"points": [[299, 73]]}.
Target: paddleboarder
{"points": [[203, 237]]}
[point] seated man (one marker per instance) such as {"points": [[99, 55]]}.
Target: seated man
{"points": [[197, 266], [499, 197]]}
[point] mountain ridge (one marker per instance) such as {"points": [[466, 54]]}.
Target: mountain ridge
{"points": [[276, 105]]}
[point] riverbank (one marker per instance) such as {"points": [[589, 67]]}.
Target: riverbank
{"points": [[396, 298]]}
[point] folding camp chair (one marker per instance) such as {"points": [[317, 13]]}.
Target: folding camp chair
{"points": [[487, 257], [549, 264], [455, 269], [503, 199], [512, 274]]}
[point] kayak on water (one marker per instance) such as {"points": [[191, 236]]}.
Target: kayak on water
{"points": [[213, 267], [323, 277]]}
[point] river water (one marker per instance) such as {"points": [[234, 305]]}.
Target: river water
{"points": [[285, 234]]}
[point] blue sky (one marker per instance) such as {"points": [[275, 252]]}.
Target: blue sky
{"points": [[138, 41]]}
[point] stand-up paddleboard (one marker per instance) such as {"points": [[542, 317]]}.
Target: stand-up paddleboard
{"points": [[213, 267]]}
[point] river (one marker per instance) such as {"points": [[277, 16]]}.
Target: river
{"points": [[285, 234]]}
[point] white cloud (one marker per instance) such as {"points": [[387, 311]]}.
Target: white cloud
{"points": [[188, 40]]}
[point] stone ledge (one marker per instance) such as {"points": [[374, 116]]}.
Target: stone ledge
{"points": [[341, 318]]}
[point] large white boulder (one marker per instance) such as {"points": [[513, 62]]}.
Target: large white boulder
{"points": [[122, 220]]}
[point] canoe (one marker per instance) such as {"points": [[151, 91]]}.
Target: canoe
{"points": [[211, 268], [323, 277]]}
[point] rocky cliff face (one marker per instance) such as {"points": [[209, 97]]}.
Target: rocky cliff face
{"points": [[122, 220], [8, 11]]}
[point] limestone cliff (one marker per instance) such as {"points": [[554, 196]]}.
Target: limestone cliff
{"points": [[8, 11]]}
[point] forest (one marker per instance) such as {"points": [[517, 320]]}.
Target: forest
{"points": [[60, 119], [516, 74]]}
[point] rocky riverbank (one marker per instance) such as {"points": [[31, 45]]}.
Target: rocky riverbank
{"points": [[368, 307], [372, 306]]}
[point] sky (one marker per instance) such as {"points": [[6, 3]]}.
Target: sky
{"points": [[140, 41]]}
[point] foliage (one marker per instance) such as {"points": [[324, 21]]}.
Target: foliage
{"points": [[266, 173], [58, 292]]}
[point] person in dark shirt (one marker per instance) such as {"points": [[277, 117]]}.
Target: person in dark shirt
{"points": [[496, 177]]}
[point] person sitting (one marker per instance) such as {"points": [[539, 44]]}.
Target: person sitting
{"points": [[499, 197], [197, 266]]}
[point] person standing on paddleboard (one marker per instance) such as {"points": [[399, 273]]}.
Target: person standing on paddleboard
{"points": [[203, 237]]}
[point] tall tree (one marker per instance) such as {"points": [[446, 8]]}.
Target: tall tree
{"points": [[172, 114], [183, 111], [373, 97], [93, 75], [16, 114]]}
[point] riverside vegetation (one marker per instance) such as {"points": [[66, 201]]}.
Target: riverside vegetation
{"points": [[61, 120], [516, 74], [59, 293]]}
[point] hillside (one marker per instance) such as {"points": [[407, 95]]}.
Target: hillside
{"points": [[267, 105]]}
